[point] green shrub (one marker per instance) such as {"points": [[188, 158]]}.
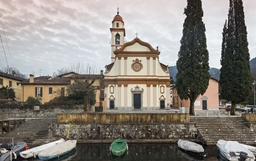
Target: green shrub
{"points": [[31, 101], [7, 93], [57, 101]]}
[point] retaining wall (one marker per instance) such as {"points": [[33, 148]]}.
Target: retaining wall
{"points": [[125, 118], [105, 132], [36, 112], [249, 117]]}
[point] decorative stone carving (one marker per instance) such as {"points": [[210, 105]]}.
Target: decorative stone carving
{"points": [[137, 65]]}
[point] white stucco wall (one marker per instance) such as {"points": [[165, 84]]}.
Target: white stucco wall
{"points": [[124, 67], [150, 96], [136, 47]]}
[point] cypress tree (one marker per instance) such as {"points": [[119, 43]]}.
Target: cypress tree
{"points": [[192, 78], [235, 78]]}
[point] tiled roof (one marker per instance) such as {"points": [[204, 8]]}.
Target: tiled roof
{"points": [[164, 67], [118, 18], [74, 75], [88, 76], [48, 80], [5, 75], [109, 66]]}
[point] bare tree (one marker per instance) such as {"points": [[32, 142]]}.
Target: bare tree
{"points": [[13, 71], [84, 88], [77, 68]]}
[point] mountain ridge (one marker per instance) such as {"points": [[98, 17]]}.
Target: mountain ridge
{"points": [[214, 72]]}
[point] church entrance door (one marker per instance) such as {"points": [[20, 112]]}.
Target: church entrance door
{"points": [[111, 104], [137, 101]]}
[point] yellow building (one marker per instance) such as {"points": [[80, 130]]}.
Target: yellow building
{"points": [[44, 87], [47, 88], [13, 82]]}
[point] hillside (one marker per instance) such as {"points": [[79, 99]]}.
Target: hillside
{"points": [[253, 67], [253, 63], [214, 72]]}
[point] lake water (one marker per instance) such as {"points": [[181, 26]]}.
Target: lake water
{"points": [[138, 152]]}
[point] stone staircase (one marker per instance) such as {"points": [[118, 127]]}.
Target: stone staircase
{"points": [[32, 131], [211, 129]]}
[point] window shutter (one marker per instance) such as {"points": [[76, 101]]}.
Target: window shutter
{"points": [[35, 92], [41, 91], [62, 91], [50, 90], [10, 83]]}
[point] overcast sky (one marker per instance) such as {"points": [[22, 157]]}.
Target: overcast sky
{"points": [[41, 36]]}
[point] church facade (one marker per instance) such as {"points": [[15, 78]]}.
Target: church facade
{"points": [[135, 79]]}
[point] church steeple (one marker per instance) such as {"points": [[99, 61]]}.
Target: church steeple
{"points": [[117, 34]]}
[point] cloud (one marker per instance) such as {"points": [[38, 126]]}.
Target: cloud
{"points": [[46, 35]]}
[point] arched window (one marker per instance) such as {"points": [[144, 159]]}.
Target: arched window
{"points": [[117, 38]]}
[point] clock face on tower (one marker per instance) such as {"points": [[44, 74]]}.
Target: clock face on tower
{"points": [[137, 65]]}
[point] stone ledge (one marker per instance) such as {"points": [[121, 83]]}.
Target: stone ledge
{"points": [[135, 141]]}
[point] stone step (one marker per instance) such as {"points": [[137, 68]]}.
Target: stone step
{"points": [[217, 120], [227, 128], [221, 130], [230, 133], [31, 130], [222, 124], [246, 136]]}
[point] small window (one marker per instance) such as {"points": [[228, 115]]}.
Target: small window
{"points": [[111, 89], [1, 82], [50, 90], [10, 83], [117, 24], [38, 92], [162, 89]]}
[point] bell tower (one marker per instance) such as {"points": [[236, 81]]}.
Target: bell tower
{"points": [[117, 34]]}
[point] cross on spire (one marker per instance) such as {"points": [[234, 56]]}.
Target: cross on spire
{"points": [[136, 34], [118, 10]]}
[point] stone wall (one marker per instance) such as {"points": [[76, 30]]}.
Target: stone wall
{"points": [[37, 112], [127, 131], [7, 125]]}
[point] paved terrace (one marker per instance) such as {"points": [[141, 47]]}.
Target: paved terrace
{"points": [[198, 113]]}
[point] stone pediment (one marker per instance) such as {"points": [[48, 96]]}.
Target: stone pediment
{"points": [[136, 45]]}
